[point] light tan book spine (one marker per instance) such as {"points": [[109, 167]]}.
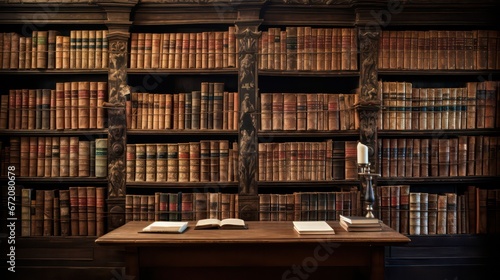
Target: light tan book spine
{"points": [[64, 156], [83, 158], [172, 163], [312, 111], [266, 105], [141, 49], [185, 51], [414, 222], [140, 162], [92, 49], [277, 111], [85, 49], [101, 157], [73, 156], [232, 56], [83, 105], [194, 159], [192, 50], [151, 162], [424, 213], [134, 48], [130, 157], [98, 49], [155, 50], [289, 116], [198, 50], [184, 162], [161, 162]]}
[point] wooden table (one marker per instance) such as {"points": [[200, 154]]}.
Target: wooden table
{"points": [[266, 250]]}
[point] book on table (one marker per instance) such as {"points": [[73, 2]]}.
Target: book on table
{"points": [[166, 227], [312, 227], [355, 220], [360, 227], [230, 223]]}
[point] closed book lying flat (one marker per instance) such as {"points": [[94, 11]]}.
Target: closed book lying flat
{"points": [[230, 223], [358, 220], [312, 227], [166, 227], [360, 227]]}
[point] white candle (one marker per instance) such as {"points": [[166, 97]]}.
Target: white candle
{"points": [[362, 153]]}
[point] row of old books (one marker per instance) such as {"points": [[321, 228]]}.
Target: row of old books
{"points": [[208, 108], [307, 161], [307, 48], [407, 108], [309, 206], [308, 111], [204, 161], [179, 206], [439, 50], [76, 211], [72, 105], [82, 49], [298, 206], [421, 213], [202, 50], [65, 156], [424, 157]]}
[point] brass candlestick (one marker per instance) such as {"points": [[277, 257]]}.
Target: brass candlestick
{"points": [[369, 194]]}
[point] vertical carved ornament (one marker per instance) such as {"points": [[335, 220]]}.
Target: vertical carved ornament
{"points": [[247, 138], [118, 89], [369, 105]]}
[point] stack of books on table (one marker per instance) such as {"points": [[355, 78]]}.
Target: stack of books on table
{"points": [[359, 223]]}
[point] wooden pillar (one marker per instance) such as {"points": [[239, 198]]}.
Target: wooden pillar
{"points": [[247, 38], [118, 15], [369, 99]]}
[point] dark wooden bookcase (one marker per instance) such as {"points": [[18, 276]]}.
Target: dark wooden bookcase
{"points": [[368, 19]]}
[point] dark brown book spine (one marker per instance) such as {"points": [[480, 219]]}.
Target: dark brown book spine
{"points": [[91, 210], [82, 211], [48, 212]]}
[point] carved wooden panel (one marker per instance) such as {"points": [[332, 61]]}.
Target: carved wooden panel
{"points": [[247, 37]]}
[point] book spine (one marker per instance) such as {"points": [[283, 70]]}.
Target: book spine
{"points": [[91, 210]]}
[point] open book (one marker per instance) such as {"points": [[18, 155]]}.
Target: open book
{"points": [[166, 227], [312, 227], [222, 224]]}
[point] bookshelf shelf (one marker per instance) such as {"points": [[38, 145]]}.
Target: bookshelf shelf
{"points": [[185, 132], [302, 184], [438, 133], [227, 71], [309, 73], [183, 185], [438, 72], [40, 132], [55, 72], [438, 180], [351, 134], [62, 180]]}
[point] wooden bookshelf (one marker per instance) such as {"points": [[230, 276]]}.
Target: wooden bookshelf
{"points": [[251, 19]]}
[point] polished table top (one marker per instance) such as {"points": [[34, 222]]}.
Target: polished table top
{"points": [[257, 232]]}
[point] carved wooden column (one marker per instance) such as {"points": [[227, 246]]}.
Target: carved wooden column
{"points": [[369, 100], [247, 36], [118, 23]]}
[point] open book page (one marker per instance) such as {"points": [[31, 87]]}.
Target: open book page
{"points": [[216, 223]]}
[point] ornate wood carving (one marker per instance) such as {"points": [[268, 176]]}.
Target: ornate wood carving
{"points": [[118, 89], [369, 104], [247, 37]]}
